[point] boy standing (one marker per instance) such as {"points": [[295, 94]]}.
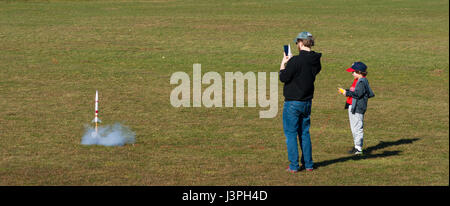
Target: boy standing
{"points": [[357, 97]]}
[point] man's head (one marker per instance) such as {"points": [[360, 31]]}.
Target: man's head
{"points": [[304, 39]]}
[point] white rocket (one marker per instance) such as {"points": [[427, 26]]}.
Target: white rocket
{"points": [[289, 51], [96, 120]]}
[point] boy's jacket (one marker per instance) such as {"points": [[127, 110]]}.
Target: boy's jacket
{"points": [[360, 96]]}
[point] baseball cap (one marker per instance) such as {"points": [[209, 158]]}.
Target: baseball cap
{"points": [[303, 35], [357, 66]]}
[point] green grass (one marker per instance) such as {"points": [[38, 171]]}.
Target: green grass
{"points": [[55, 54]]}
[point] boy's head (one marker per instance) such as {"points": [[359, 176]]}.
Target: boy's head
{"points": [[358, 68]]}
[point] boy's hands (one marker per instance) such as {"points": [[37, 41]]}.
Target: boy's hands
{"points": [[341, 91], [284, 61]]}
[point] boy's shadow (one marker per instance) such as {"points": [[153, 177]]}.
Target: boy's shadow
{"points": [[367, 152]]}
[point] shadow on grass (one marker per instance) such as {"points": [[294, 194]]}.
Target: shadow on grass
{"points": [[367, 152], [382, 144]]}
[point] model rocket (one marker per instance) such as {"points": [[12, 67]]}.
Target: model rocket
{"points": [[96, 119], [289, 53]]}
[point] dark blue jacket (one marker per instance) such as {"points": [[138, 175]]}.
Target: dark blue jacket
{"points": [[360, 96]]}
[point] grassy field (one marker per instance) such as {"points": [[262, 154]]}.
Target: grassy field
{"points": [[55, 54]]}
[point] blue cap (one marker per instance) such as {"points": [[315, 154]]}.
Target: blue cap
{"points": [[303, 35], [357, 66]]}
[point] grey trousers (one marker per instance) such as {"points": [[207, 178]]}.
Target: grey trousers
{"points": [[357, 127]]}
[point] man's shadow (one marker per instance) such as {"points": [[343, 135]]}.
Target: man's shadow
{"points": [[368, 152]]}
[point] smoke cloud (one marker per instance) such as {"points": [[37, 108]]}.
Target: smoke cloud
{"points": [[109, 135]]}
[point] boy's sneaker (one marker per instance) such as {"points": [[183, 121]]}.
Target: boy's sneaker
{"points": [[355, 151]]}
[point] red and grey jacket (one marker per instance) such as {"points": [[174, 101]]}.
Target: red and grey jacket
{"points": [[360, 96]]}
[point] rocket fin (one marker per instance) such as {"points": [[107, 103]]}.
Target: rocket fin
{"points": [[98, 120]]}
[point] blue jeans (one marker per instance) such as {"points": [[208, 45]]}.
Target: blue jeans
{"points": [[296, 122]]}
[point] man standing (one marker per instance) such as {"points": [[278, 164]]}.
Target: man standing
{"points": [[298, 75]]}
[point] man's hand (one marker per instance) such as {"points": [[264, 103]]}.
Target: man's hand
{"points": [[284, 61]]}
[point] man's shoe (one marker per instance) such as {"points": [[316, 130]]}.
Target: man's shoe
{"points": [[291, 171]]}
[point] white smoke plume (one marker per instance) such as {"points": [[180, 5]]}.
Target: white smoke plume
{"points": [[109, 135]]}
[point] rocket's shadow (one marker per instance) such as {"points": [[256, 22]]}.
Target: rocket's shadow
{"points": [[368, 152]]}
